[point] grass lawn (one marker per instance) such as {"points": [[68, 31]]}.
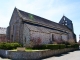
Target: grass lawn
{"points": [[30, 50]]}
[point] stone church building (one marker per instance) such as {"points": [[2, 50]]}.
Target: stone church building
{"points": [[30, 30]]}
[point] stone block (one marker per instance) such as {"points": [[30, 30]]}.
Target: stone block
{"points": [[20, 48]]}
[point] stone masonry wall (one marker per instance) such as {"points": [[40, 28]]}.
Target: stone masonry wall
{"points": [[33, 54]]}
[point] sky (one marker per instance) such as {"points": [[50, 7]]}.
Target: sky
{"points": [[50, 9]]}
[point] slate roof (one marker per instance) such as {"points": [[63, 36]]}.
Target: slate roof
{"points": [[39, 20], [40, 29], [2, 30]]}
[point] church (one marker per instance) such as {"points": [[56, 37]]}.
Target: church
{"points": [[30, 30]]}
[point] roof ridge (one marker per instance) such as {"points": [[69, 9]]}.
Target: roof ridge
{"points": [[18, 12]]}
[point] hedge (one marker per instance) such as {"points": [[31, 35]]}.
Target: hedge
{"points": [[55, 46], [75, 45], [9, 46], [50, 46], [68, 46], [62, 46]]}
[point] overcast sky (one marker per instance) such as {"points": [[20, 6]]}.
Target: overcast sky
{"points": [[49, 9]]}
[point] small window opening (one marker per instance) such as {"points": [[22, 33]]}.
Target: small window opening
{"points": [[25, 39]]}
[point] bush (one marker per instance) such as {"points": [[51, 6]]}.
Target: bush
{"points": [[52, 46], [55, 46], [62, 46], [9, 46], [68, 46], [48, 46], [40, 47], [75, 45]]}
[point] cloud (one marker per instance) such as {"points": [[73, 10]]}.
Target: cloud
{"points": [[3, 21], [49, 9]]}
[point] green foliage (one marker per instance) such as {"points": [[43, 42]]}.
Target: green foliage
{"points": [[75, 45], [68, 46], [39, 47], [55, 46], [31, 16], [9, 46], [62, 46], [48, 46]]}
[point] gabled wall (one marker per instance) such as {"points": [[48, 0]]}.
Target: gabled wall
{"points": [[16, 27]]}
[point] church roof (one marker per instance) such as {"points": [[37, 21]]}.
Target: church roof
{"points": [[28, 17], [2, 30], [41, 29]]}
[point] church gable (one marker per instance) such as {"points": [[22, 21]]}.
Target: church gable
{"points": [[66, 22], [15, 27], [15, 18]]}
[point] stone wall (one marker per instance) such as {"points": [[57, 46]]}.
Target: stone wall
{"points": [[3, 38], [32, 54], [26, 35], [41, 35], [15, 28]]}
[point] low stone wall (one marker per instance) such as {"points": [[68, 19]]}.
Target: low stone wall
{"points": [[4, 53], [32, 54]]}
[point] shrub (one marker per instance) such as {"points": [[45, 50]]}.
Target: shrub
{"points": [[9, 46], [68, 46], [62, 46], [48, 46], [75, 45], [52, 46], [40, 47]]}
